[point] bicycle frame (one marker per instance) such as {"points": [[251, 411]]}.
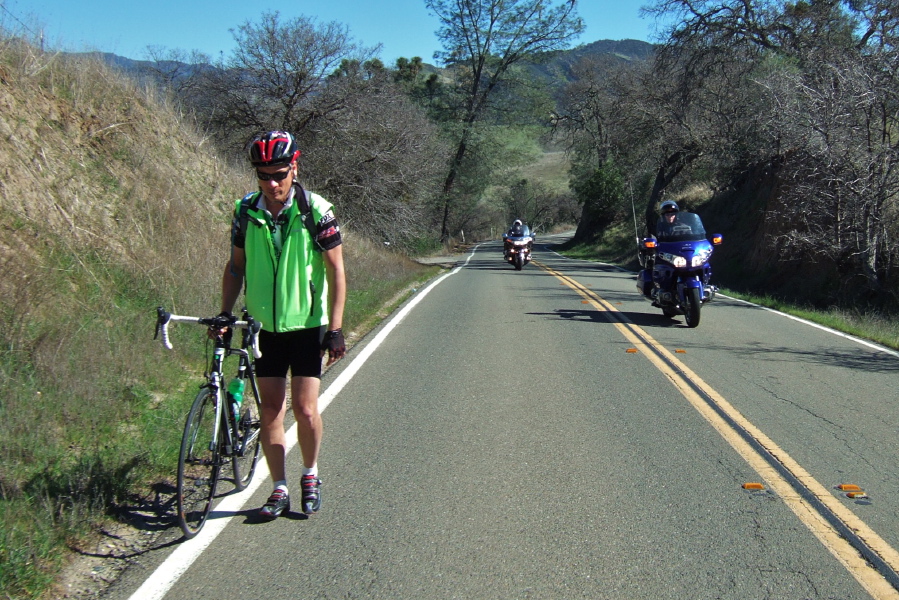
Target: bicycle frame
{"points": [[222, 349], [216, 384], [234, 435], [246, 372]]}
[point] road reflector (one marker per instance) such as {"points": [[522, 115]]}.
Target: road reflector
{"points": [[680, 351], [849, 487], [857, 495], [753, 486], [631, 350], [585, 302]]}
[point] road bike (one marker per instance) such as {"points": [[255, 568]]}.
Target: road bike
{"points": [[222, 428]]}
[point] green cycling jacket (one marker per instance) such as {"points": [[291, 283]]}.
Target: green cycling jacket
{"points": [[290, 291]]}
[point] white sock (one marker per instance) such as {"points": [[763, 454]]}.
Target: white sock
{"points": [[313, 470], [281, 484]]}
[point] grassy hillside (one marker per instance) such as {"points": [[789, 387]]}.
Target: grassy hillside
{"points": [[112, 204], [551, 170]]}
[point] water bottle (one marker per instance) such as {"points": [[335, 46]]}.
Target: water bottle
{"points": [[235, 390]]}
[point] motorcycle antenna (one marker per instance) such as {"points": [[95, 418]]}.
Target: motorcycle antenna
{"points": [[636, 231]]}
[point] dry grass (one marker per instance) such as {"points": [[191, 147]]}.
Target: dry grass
{"points": [[551, 170], [693, 196], [377, 281], [101, 221]]}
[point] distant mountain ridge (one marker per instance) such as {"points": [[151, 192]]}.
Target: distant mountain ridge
{"points": [[557, 66], [551, 65], [128, 65], [626, 49]]}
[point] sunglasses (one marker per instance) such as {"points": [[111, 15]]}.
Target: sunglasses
{"points": [[276, 176]]}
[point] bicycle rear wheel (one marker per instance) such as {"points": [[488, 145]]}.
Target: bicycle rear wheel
{"points": [[248, 427], [199, 464]]}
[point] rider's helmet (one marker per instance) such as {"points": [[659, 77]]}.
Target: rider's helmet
{"points": [[272, 148], [517, 222], [669, 206]]}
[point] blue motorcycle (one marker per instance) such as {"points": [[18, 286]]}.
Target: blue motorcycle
{"points": [[677, 271]]}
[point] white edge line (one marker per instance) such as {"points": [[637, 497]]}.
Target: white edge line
{"points": [[172, 568], [857, 340]]}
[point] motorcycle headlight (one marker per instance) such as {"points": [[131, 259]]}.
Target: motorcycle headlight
{"points": [[700, 258], [678, 261]]}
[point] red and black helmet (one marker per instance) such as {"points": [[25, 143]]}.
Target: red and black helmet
{"points": [[272, 148]]}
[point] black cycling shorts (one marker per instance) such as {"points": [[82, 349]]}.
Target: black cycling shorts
{"points": [[298, 351]]}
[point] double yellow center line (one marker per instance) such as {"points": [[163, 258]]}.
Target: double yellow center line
{"points": [[846, 536]]}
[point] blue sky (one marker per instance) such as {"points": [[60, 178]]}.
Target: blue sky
{"points": [[403, 27]]}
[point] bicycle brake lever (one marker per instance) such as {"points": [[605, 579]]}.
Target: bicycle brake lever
{"points": [[257, 354], [161, 317], [162, 323], [254, 329]]}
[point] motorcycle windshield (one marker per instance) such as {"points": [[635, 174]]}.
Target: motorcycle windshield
{"points": [[686, 227]]}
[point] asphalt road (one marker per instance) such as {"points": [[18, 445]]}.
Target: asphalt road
{"points": [[548, 434]]}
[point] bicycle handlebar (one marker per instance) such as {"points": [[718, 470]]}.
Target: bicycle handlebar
{"points": [[163, 318]]}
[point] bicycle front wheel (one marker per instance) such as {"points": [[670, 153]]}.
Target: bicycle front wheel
{"points": [[199, 464], [248, 429]]}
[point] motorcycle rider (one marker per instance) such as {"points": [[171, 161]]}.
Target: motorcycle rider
{"points": [[667, 216], [668, 210], [669, 225]]}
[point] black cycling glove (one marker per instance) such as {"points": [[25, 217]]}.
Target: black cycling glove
{"points": [[334, 344]]}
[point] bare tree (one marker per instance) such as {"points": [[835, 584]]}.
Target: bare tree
{"points": [[276, 75], [627, 128], [482, 40], [606, 123], [533, 202], [365, 145], [176, 69], [842, 173], [814, 90], [379, 156]]}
